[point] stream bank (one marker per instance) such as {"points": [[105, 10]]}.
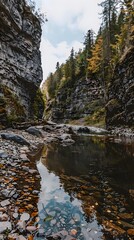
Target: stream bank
{"points": [[21, 183]]}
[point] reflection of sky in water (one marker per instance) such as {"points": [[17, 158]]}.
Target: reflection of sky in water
{"points": [[58, 213]]}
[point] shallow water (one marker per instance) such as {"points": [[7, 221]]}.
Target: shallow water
{"points": [[87, 189]]}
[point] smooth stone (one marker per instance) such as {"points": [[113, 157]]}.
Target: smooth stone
{"points": [[31, 228], [4, 226], [15, 137], [15, 215], [4, 217], [25, 217], [5, 203], [23, 156], [3, 154], [34, 131], [2, 209]]}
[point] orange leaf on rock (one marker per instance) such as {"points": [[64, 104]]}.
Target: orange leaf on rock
{"points": [[21, 210], [30, 237], [34, 214]]}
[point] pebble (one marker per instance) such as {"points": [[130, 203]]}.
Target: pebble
{"points": [[25, 216], [5, 225], [5, 203], [17, 160], [4, 217], [31, 228]]}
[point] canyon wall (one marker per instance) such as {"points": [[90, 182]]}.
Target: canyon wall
{"points": [[120, 106], [20, 61]]}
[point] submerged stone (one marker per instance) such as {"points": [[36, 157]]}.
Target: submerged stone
{"points": [[4, 226], [5, 203]]}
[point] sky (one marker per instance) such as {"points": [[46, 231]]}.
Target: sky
{"points": [[68, 23]]}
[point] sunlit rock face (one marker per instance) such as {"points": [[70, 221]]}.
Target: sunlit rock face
{"points": [[120, 107], [20, 60]]}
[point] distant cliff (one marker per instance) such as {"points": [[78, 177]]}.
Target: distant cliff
{"points": [[120, 106], [20, 61], [83, 100]]}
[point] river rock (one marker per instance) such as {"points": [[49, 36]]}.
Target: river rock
{"points": [[34, 131], [5, 203], [15, 137], [3, 154], [5, 225], [25, 217]]}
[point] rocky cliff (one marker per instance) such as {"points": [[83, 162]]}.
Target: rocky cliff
{"points": [[120, 107], [20, 61], [80, 100]]}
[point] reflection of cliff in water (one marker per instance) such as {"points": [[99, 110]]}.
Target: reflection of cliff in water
{"points": [[98, 172], [114, 160]]}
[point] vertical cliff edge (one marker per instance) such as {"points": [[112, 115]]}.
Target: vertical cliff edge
{"points": [[20, 61], [120, 106]]}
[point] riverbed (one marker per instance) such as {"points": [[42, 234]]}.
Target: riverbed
{"points": [[83, 190]]}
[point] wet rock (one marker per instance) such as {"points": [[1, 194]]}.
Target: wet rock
{"points": [[21, 224], [3, 217], [31, 228], [25, 216], [34, 131], [15, 215], [15, 137], [2, 209], [5, 225], [5, 203], [23, 156], [3, 154], [5, 192]]}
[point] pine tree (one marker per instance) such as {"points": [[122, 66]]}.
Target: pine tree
{"points": [[88, 43], [72, 66], [58, 74]]}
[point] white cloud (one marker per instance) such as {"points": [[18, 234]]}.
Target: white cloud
{"points": [[77, 14], [53, 54], [66, 18]]}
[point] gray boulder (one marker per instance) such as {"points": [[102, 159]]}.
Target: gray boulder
{"points": [[15, 137]]}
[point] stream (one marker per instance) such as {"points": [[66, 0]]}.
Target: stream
{"points": [[87, 190], [64, 191]]}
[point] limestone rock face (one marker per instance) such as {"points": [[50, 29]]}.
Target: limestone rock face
{"points": [[120, 106], [75, 102], [20, 60]]}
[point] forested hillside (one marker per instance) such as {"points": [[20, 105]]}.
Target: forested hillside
{"points": [[80, 87]]}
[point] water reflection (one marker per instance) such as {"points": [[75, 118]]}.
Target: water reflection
{"points": [[85, 188], [61, 214]]}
